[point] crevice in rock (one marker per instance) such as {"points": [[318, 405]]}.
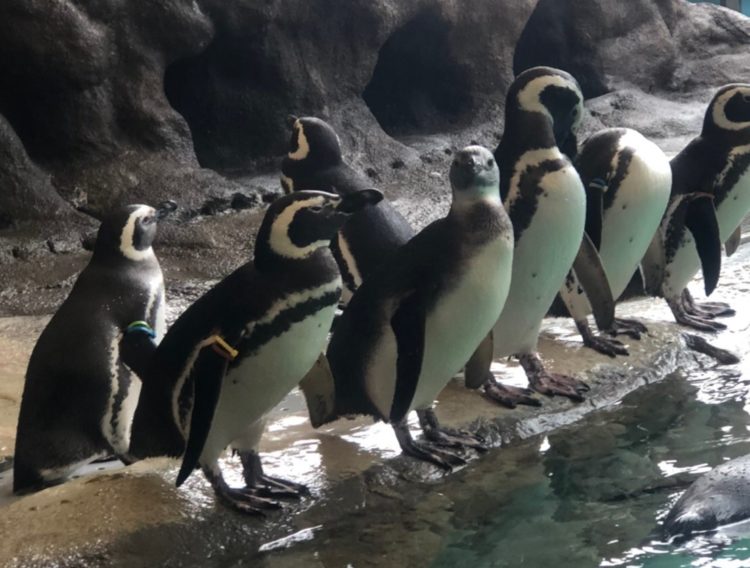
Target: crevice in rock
{"points": [[417, 86]]}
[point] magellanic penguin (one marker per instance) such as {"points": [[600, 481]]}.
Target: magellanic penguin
{"points": [[628, 181], [244, 345], [314, 161], [416, 320], [710, 197], [78, 398], [546, 202]]}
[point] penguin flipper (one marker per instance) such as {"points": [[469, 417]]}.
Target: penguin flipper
{"points": [[652, 265], [208, 370], [408, 324], [590, 272], [733, 242], [319, 389], [137, 353], [701, 221]]}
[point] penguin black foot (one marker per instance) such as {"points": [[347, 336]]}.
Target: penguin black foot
{"points": [[699, 344], [604, 345], [448, 437], [425, 451], [551, 384], [708, 310], [695, 320], [245, 500], [630, 327], [508, 396], [265, 485]]}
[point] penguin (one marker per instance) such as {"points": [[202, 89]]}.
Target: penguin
{"points": [[78, 398], [314, 161], [414, 322], [238, 350], [628, 181], [710, 197], [546, 202]]}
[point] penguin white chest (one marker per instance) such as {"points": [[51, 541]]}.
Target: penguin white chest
{"points": [[263, 378], [543, 255], [463, 317]]}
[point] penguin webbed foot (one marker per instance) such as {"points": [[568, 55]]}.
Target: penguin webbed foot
{"points": [[604, 345], [244, 500], [265, 485], [507, 395], [448, 437], [552, 384], [688, 316], [705, 310], [425, 451], [699, 344], [630, 327]]}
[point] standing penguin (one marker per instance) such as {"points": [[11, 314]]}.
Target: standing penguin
{"points": [[546, 202], [627, 180], [78, 398], [315, 162], [710, 197], [244, 345], [414, 322]]}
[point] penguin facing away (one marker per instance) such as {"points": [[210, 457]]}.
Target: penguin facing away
{"points": [[413, 323], [244, 345], [78, 398], [314, 161], [710, 197], [546, 202], [628, 182]]}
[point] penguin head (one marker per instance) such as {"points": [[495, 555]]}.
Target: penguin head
{"points": [[298, 224], [729, 110], [553, 93], [314, 145], [474, 176], [129, 231]]}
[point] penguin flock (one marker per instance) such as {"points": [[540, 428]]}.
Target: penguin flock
{"points": [[539, 221]]}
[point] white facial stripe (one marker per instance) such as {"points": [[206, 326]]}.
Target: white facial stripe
{"points": [[287, 184], [280, 242], [126, 239], [528, 97], [303, 148], [351, 263], [719, 111], [529, 160]]}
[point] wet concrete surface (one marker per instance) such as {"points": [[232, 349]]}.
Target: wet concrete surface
{"points": [[369, 505]]}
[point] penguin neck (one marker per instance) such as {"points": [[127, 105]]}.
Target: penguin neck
{"points": [[146, 258], [267, 260], [525, 130]]}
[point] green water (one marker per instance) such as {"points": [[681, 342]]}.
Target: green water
{"points": [[594, 493]]}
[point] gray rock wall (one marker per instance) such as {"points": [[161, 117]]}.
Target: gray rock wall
{"points": [[110, 101]]}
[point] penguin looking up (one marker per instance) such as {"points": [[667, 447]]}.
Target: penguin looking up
{"points": [[242, 347], [710, 197], [415, 321], [315, 162], [628, 181], [546, 202], [78, 398]]}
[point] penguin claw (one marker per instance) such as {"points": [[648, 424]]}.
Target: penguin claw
{"points": [[699, 323], [711, 310], [247, 501], [447, 438], [275, 487], [606, 346], [426, 451], [554, 384], [631, 328], [509, 396]]}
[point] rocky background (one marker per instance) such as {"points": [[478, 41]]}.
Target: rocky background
{"points": [[114, 101]]}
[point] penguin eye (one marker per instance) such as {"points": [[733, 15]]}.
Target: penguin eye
{"points": [[746, 98], [490, 162], [147, 220], [316, 209]]}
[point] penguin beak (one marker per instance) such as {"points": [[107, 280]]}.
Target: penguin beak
{"points": [[291, 119], [165, 208], [353, 202]]}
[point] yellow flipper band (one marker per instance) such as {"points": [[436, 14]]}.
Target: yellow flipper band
{"points": [[221, 347]]}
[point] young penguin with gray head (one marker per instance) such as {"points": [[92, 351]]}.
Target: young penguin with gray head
{"points": [[78, 398], [546, 202], [710, 198], [314, 161], [244, 345], [415, 321], [628, 181]]}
